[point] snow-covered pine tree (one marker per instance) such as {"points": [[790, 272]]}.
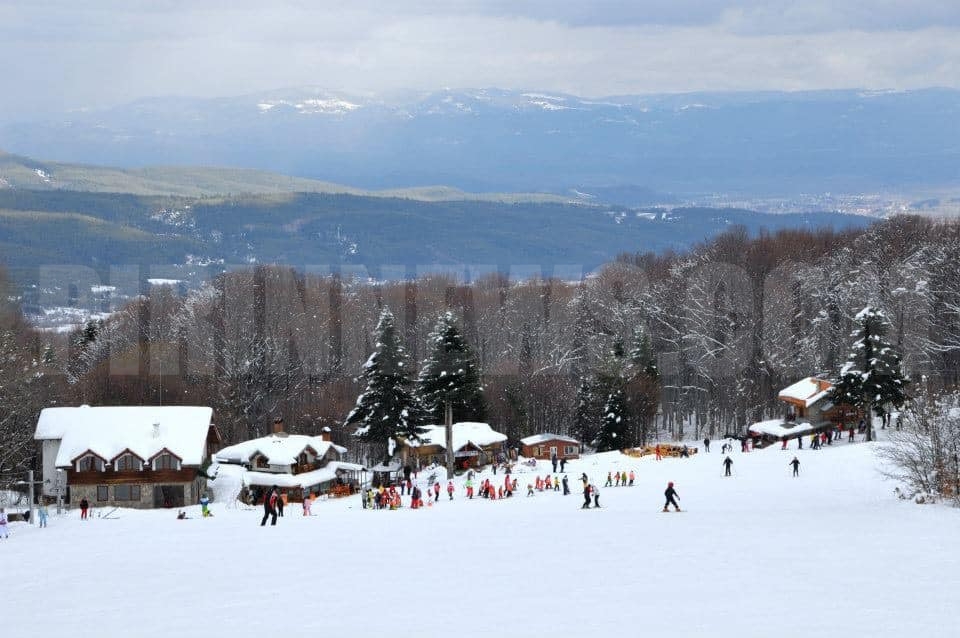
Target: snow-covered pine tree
{"points": [[614, 431], [387, 406], [587, 414], [450, 375], [871, 378], [614, 428], [642, 389]]}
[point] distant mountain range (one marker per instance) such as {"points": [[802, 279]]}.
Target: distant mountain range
{"points": [[624, 150]]}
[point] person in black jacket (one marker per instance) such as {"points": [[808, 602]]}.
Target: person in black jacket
{"points": [[566, 485], [270, 506], [671, 495], [796, 465], [727, 464], [586, 496]]}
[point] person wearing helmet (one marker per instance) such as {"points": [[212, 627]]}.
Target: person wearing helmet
{"points": [[671, 495]]}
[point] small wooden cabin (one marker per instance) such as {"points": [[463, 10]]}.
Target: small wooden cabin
{"points": [[547, 446]]}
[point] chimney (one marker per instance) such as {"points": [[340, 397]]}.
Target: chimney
{"points": [[325, 434], [278, 425]]}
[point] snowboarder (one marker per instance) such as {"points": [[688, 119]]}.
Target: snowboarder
{"points": [[450, 489], [796, 466], [84, 506], [3, 523], [671, 495], [586, 496], [270, 506], [566, 485], [706, 444], [596, 496], [727, 464]]}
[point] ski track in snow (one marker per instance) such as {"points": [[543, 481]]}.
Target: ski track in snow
{"points": [[831, 553]]}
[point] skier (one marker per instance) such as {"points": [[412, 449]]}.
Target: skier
{"points": [[727, 464], [671, 495], [307, 502], [563, 463], [270, 507], [706, 444], [281, 501], [436, 491], [529, 489], [469, 486], [556, 484], [632, 476], [450, 489], [616, 479], [566, 485], [586, 496], [3, 523], [657, 451], [609, 482], [596, 496], [796, 466], [204, 505], [84, 506], [553, 459]]}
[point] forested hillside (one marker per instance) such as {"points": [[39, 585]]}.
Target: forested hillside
{"points": [[728, 324]]}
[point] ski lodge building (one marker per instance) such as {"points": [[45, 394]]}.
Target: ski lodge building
{"points": [[299, 465], [809, 409], [474, 444], [126, 456]]}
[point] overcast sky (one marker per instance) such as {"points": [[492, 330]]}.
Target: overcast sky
{"points": [[64, 54]]}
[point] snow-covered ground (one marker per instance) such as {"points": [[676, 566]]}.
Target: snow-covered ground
{"points": [[831, 553]]}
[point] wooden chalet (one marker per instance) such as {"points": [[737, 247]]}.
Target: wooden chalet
{"points": [[809, 409], [474, 444], [127, 456], [548, 446], [298, 465]]}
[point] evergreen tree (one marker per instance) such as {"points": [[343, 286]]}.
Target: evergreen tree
{"points": [[386, 408], [450, 375], [614, 429], [642, 386], [587, 415], [871, 378]]}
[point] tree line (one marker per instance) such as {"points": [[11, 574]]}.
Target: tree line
{"points": [[649, 346]]}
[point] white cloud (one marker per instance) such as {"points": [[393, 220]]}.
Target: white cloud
{"points": [[70, 55]]}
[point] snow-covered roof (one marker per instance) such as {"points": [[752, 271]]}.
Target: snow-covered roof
{"points": [[480, 434], [326, 473], [778, 428], [277, 449], [805, 391], [542, 438], [108, 431]]}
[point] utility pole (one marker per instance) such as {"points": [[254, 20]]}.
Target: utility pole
{"points": [[448, 423]]}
